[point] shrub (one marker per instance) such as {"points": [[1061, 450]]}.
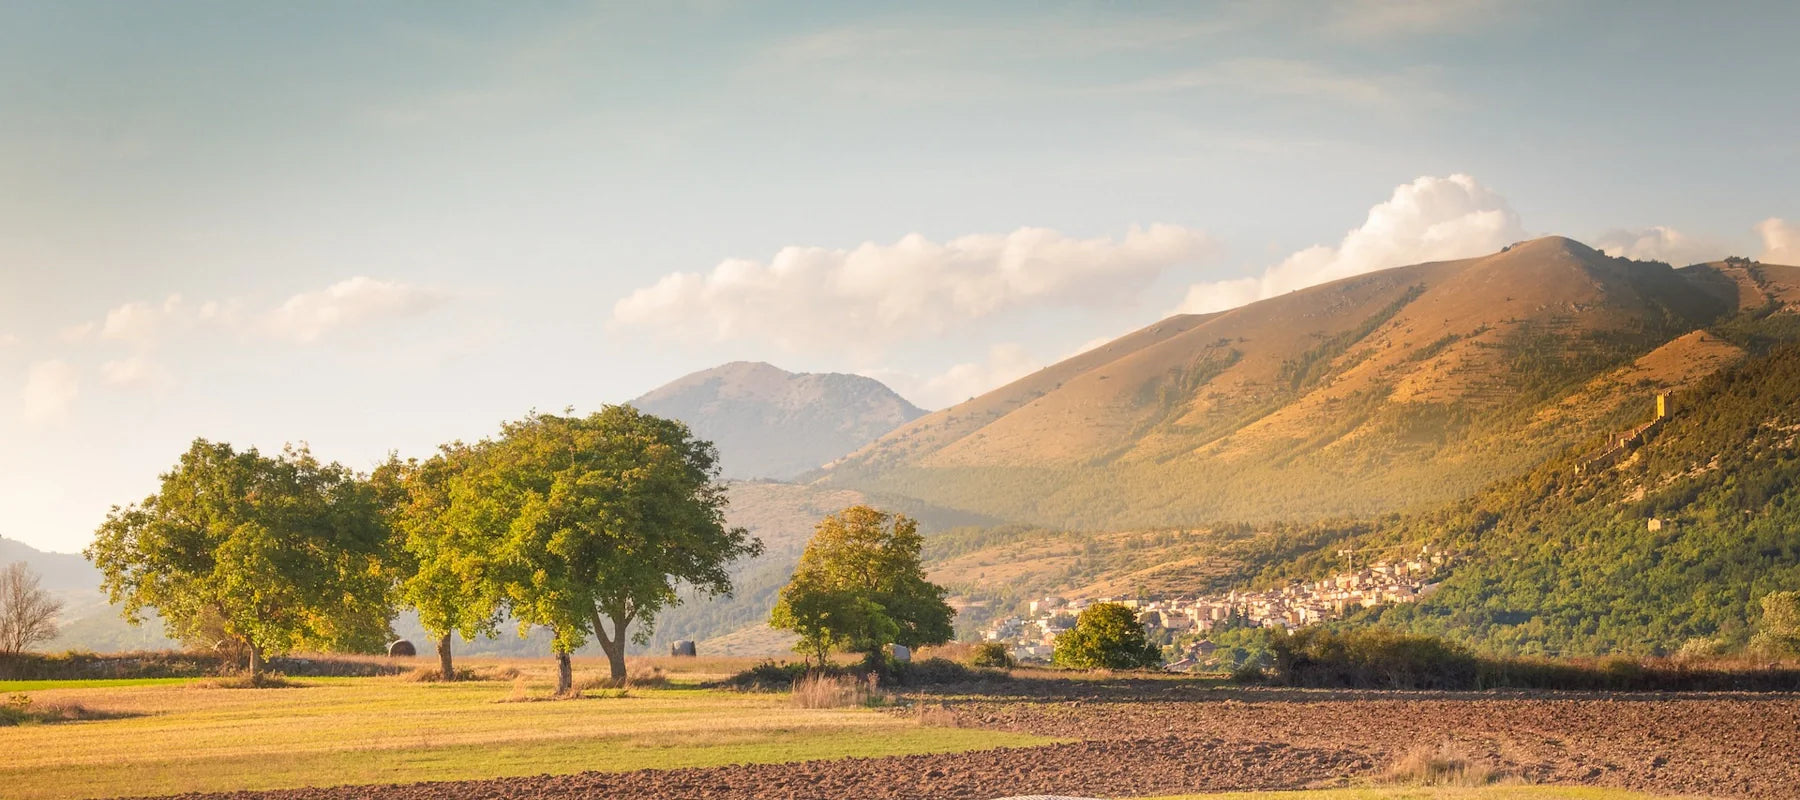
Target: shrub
{"points": [[1371, 657], [769, 676], [260, 680], [1106, 635], [995, 655], [20, 709]]}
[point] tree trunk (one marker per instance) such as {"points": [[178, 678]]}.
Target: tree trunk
{"points": [[444, 658], [256, 665], [615, 659], [565, 673]]}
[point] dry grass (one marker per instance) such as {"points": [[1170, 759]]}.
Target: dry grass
{"points": [[267, 680], [436, 675], [1442, 765], [836, 691], [21, 709], [171, 739]]}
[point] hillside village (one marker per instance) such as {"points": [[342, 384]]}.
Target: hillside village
{"points": [[1032, 637]]}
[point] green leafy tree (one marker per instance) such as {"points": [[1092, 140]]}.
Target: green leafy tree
{"points": [[1780, 626], [272, 553], [599, 519], [860, 586], [1106, 636], [450, 568]]}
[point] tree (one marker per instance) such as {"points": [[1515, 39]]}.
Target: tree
{"points": [[27, 612], [277, 553], [1780, 626], [1105, 636], [450, 568], [599, 519], [860, 586]]}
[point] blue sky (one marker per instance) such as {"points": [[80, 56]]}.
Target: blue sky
{"points": [[381, 228]]}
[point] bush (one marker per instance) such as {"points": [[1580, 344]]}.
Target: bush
{"points": [[1106, 636], [769, 676], [1437, 766], [20, 709], [1372, 658], [994, 655]]}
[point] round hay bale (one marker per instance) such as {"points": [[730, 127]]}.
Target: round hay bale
{"points": [[683, 647], [401, 647]]}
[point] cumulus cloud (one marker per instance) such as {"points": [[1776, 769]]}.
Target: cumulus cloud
{"points": [[136, 372], [1004, 364], [859, 300], [1429, 219], [50, 391], [1781, 241], [360, 300], [1658, 243]]}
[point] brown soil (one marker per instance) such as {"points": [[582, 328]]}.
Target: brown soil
{"points": [[1159, 737]]}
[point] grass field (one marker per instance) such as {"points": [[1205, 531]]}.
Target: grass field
{"points": [[1444, 793], [176, 737], [96, 683]]}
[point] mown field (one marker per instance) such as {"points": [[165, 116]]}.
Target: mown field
{"points": [[186, 735]]}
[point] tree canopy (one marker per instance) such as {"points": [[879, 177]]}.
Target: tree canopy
{"points": [[599, 519], [450, 570], [860, 586], [272, 553], [1105, 636]]}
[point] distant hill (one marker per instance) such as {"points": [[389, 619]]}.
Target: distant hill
{"points": [[87, 622], [770, 423], [1400, 389]]}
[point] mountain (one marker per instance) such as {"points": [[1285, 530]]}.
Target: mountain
{"points": [[1400, 389], [87, 621], [770, 423]]}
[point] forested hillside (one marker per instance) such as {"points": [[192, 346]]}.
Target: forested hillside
{"points": [[1675, 544]]}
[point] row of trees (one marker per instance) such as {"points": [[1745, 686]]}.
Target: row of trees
{"points": [[585, 526]]}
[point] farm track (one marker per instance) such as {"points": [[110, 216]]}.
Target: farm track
{"points": [[1159, 737]]}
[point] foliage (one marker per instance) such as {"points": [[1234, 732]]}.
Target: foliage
{"points": [[860, 586], [450, 568], [27, 612], [278, 553], [992, 654], [1780, 626], [1105, 636], [600, 519]]}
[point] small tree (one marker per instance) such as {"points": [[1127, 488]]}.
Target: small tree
{"points": [[27, 612], [860, 586], [276, 553], [1106, 636], [449, 566], [1780, 625]]}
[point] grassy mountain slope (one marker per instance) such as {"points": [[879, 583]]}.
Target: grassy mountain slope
{"points": [[1404, 388], [769, 423]]}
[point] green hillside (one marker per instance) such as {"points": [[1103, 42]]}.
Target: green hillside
{"points": [[1561, 562]]}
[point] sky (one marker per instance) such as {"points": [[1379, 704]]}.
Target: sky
{"points": [[378, 227]]}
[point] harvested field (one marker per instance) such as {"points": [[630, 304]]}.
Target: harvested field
{"points": [[1164, 737]]}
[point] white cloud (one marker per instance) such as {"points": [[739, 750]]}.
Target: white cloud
{"points": [[1781, 241], [142, 323], [136, 372], [1658, 243], [863, 299], [1004, 364], [1429, 219], [50, 391], [357, 301]]}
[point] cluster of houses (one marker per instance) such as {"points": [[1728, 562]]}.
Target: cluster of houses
{"points": [[1033, 636]]}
